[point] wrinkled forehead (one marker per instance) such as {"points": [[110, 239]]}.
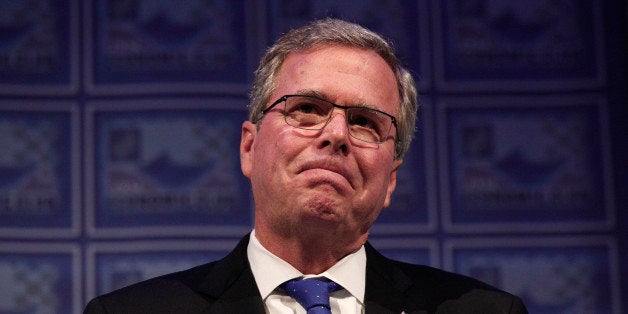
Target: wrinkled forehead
{"points": [[340, 74]]}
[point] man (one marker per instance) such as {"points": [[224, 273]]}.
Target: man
{"points": [[332, 113]]}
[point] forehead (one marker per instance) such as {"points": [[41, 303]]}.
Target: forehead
{"points": [[345, 75]]}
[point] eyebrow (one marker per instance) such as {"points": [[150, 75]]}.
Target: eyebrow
{"points": [[324, 96], [313, 93]]}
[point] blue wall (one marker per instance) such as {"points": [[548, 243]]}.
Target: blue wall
{"points": [[120, 124]]}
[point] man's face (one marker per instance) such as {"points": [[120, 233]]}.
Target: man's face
{"points": [[325, 180]]}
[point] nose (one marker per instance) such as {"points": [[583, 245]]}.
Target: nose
{"points": [[335, 134]]}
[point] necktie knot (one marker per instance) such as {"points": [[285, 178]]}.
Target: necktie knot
{"points": [[312, 293]]}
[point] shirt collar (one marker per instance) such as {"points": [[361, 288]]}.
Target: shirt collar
{"points": [[271, 271]]}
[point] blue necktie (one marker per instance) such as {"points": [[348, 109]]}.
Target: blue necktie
{"points": [[312, 293]]}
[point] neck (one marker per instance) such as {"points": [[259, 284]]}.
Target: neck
{"points": [[309, 254]]}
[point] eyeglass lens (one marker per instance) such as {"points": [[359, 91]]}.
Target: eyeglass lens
{"points": [[363, 123]]}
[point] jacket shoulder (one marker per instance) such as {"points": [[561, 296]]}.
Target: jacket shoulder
{"points": [[171, 293], [185, 291], [454, 293], [439, 291]]}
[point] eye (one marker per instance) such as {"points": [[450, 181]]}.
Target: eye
{"points": [[305, 106], [363, 119]]}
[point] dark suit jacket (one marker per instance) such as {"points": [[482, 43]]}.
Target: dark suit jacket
{"points": [[228, 286]]}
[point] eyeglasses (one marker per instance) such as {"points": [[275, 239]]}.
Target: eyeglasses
{"points": [[312, 113]]}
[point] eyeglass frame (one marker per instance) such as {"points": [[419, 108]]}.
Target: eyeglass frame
{"points": [[284, 98]]}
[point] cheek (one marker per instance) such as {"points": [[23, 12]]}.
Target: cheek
{"points": [[272, 151], [377, 169], [376, 176]]}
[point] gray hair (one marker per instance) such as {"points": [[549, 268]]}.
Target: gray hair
{"points": [[336, 32]]}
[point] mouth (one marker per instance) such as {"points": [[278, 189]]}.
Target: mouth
{"points": [[328, 172]]}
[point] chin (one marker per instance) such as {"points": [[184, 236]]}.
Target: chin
{"points": [[322, 210]]}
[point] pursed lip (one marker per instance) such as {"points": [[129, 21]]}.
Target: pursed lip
{"points": [[332, 166]]}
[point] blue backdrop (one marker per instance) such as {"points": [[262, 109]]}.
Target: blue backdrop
{"points": [[120, 124]]}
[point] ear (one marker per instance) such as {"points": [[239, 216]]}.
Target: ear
{"points": [[392, 182], [249, 130]]}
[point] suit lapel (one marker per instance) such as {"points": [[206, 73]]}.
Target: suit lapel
{"points": [[242, 296], [229, 285], [241, 305], [387, 286]]}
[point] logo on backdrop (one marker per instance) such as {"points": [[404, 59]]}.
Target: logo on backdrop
{"points": [[28, 184], [174, 165]]}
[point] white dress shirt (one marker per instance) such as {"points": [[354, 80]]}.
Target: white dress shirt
{"points": [[270, 271]]}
